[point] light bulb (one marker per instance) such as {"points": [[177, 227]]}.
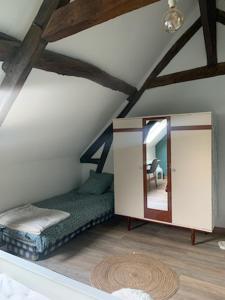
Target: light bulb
{"points": [[173, 19]]}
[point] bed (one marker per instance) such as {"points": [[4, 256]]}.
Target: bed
{"points": [[86, 210], [46, 282]]}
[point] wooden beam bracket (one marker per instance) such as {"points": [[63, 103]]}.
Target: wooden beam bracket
{"points": [[220, 16], [188, 75]]}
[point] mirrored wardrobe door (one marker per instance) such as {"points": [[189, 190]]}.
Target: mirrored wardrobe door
{"points": [[156, 171]]}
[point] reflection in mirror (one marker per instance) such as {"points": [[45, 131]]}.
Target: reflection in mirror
{"points": [[156, 164]]}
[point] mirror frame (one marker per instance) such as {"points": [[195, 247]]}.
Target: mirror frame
{"points": [[149, 213]]}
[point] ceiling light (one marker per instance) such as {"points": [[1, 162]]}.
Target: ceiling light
{"points": [[173, 18]]}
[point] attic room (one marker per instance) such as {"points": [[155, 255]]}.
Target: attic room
{"points": [[112, 164]]}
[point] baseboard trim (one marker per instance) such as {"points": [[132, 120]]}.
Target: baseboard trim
{"points": [[219, 230]]}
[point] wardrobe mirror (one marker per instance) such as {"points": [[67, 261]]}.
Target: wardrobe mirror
{"points": [[156, 177]]}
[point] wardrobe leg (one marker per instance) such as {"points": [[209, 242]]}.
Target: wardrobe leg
{"points": [[193, 236], [129, 224]]}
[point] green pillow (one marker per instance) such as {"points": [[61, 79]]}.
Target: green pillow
{"points": [[96, 184]]}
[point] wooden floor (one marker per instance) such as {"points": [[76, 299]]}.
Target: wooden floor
{"points": [[201, 268]]}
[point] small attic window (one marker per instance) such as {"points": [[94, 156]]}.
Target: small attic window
{"points": [[156, 129]]}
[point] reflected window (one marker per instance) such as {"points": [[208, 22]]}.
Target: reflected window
{"points": [[156, 164]]}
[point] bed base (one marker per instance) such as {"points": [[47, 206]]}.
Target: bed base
{"points": [[28, 251]]}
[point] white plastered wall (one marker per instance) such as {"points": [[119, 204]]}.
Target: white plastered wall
{"points": [[44, 134]]}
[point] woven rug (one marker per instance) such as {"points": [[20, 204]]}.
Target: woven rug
{"points": [[135, 271]]}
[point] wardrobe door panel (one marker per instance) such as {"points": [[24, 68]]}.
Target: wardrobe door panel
{"points": [[127, 123], [128, 169], [191, 164], [191, 119]]}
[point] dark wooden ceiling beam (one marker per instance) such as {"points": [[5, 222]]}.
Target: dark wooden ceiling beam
{"points": [[106, 136], [189, 75], [7, 48], [22, 62], [63, 3], [208, 17], [65, 65], [220, 16], [83, 14], [104, 155], [4, 36]]}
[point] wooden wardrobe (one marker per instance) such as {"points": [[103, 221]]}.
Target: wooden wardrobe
{"points": [[187, 185]]}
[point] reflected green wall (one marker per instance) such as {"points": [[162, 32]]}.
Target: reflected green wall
{"points": [[161, 154]]}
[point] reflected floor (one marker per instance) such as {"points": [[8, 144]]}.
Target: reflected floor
{"points": [[157, 197]]}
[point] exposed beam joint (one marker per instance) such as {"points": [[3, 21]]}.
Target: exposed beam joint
{"points": [[104, 154], [22, 62], [65, 65], [208, 17], [189, 75], [94, 147], [94, 161], [176, 47], [83, 14], [171, 53]]}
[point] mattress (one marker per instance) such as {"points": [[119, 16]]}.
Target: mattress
{"points": [[85, 211], [12, 289]]}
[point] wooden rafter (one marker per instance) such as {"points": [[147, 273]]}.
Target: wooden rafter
{"points": [[6, 37], [105, 153], [63, 3], [220, 16], [171, 53], [208, 17], [87, 156], [65, 65], [107, 133], [82, 14], [28, 53], [189, 75]]}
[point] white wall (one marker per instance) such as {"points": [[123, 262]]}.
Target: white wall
{"points": [[47, 128], [150, 155], [33, 181]]}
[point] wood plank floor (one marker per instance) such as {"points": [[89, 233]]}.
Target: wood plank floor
{"points": [[201, 268]]}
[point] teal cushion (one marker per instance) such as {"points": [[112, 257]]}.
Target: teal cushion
{"points": [[96, 184]]}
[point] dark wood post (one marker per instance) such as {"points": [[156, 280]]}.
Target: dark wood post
{"points": [[193, 236]]}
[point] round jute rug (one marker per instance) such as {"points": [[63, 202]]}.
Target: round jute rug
{"points": [[135, 271]]}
